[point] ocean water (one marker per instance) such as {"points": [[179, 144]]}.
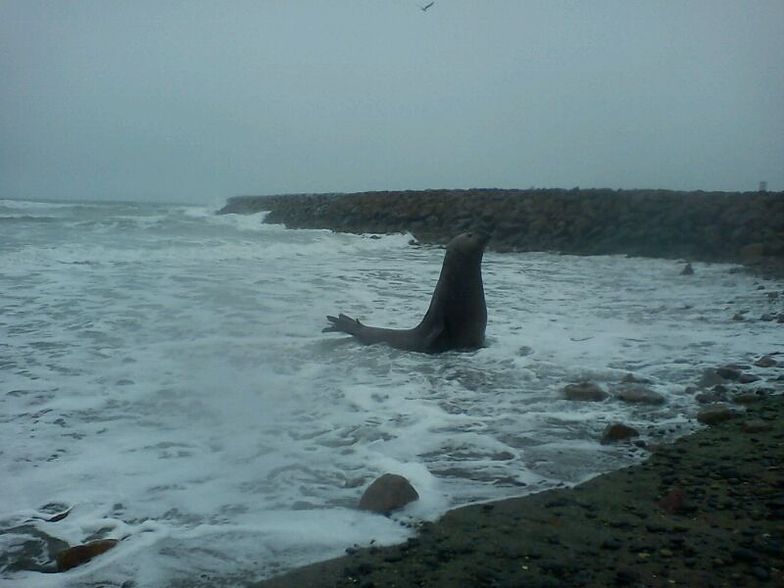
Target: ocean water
{"points": [[164, 380]]}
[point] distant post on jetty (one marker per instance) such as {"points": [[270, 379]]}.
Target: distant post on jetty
{"points": [[763, 187]]}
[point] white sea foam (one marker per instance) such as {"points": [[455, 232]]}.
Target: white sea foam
{"points": [[165, 377]]}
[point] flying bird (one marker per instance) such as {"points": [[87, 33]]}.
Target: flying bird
{"points": [[424, 8]]}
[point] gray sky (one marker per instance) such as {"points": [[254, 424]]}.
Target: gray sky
{"points": [[199, 100]]}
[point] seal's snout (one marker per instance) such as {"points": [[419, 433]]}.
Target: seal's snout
{"points": [[470, 242], [482, 237]]}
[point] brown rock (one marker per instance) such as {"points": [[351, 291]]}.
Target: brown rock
{"points": [[631, 378], [755, 426], [766, 361], [729, 372], [618, 432], [713, 415], [674, 502], [709, 378], [584, 392], [80, 554], [637, 394], [387, 493]]}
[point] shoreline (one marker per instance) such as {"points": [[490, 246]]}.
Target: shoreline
{"points": [[704, 510]]}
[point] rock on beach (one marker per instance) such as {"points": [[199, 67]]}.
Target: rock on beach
{"points": [[713, 415], [766, 361], [618, 432], [584, 392], [387, 493], [638, 394], [81, 554]]}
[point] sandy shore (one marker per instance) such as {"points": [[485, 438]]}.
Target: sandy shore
{"points": [[707, 510]]}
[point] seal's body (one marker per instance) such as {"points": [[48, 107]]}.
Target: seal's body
{"points": [[457, 316]]}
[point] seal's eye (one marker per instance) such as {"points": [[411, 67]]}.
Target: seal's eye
{"points": [[470, 235]]}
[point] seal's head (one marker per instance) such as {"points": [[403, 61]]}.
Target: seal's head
{"points": [[470, 244]]}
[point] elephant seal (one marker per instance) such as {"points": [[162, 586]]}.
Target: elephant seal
{"points": [[457, 316]]}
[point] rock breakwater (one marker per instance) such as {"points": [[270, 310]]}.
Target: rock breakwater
{"points": [[708, 226]]}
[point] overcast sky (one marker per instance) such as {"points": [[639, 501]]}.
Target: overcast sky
{"points": [[195, 101]]}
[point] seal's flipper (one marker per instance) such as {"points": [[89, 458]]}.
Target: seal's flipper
{"points": [[342, 324]]}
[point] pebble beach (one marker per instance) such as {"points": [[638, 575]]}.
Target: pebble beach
{"points": [[706, 510]]}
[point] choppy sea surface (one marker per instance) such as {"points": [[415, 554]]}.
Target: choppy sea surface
{"points": [[164, 380]]}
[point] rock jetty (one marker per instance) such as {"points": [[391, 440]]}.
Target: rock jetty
{"points": [[743, 227]]}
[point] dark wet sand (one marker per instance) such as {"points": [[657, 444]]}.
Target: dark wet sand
{"points": [[705, 511]]}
